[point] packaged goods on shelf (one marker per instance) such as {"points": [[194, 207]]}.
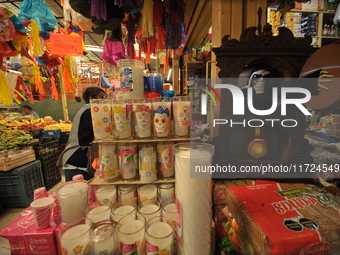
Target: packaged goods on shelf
{"points": [[282, 218]]}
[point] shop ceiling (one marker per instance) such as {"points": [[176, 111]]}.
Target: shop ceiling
{"points": [[197, 20]]}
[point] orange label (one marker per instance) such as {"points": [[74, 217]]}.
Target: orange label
{"points": [[66, 44]]}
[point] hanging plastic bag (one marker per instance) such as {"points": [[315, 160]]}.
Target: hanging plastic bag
{"points": [[38, 11]]}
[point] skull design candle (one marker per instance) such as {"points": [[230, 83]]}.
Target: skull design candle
{"points": [[182, 115], [122, 115], [142, 117], [161, 116]]}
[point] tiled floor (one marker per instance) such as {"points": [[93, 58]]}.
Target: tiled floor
{"points": [[7, 215]]}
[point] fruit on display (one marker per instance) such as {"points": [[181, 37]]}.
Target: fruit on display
{"points": [[63, 127], [10, 138]]}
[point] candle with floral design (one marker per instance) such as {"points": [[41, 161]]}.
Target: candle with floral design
{"points": [[142, 117], [75, 237], [101, 118], [127, 195], [159, 233], [182, 115], [108, 160], [131, 235], [147, 192], [161, 108], [127, 155], [165, 160], [147, 163], [122, 116]]}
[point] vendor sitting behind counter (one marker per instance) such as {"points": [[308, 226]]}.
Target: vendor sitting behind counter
{"points": [[27, 110]]}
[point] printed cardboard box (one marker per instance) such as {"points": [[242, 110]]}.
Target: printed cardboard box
{"points": [[14, 231], [41, 241]]}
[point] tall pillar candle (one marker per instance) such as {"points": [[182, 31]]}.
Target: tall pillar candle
{"points": [[127, 155], [165, 160], [101, 118], [122, 116], [142, 117], [108, 160], [147, 163], [182, 115], [194, 213], [161, 116]]}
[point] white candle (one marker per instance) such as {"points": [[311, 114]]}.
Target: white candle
{"points": [[196, 214], [131, 236], [147, 163], [166, 160], [101, 118], [122, 116], [76, 239], [121, 211], [143, 117], [103, 239], [147, 193], [159, 235], [99, 213], [182, 116], [72, 200], [128, 161], [127, 195], [169, 211], [106, 194], [161, 117], [108, 160], [166, 191], [149, 211]]}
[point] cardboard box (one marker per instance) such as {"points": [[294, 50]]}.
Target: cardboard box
{"points": [[333, 126], [14, 232], [41, 241], [58, 245]]}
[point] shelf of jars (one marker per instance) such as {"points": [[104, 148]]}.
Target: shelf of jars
{"points": [[97, 180], [147, 140]]}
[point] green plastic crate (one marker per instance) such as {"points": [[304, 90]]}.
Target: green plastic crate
{"points": [[17, 185]]}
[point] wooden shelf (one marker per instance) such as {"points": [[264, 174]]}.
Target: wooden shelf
{"points": [[147, 140], [100, 181], [330, 37]]}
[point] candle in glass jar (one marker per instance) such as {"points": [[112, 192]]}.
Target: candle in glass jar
{"points": [[147, 193], [75, 240], [101, 118], [122, 115], [182, 115], [103, 238], [99, 213], [159, 235], [121, 211], [149, 211], [147, 163], [131, 235], [169, 210], [142, 117], [106, 194]]}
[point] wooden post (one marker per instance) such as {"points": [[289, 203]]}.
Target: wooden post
{"points": [[175, 73], [63, 93]]}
